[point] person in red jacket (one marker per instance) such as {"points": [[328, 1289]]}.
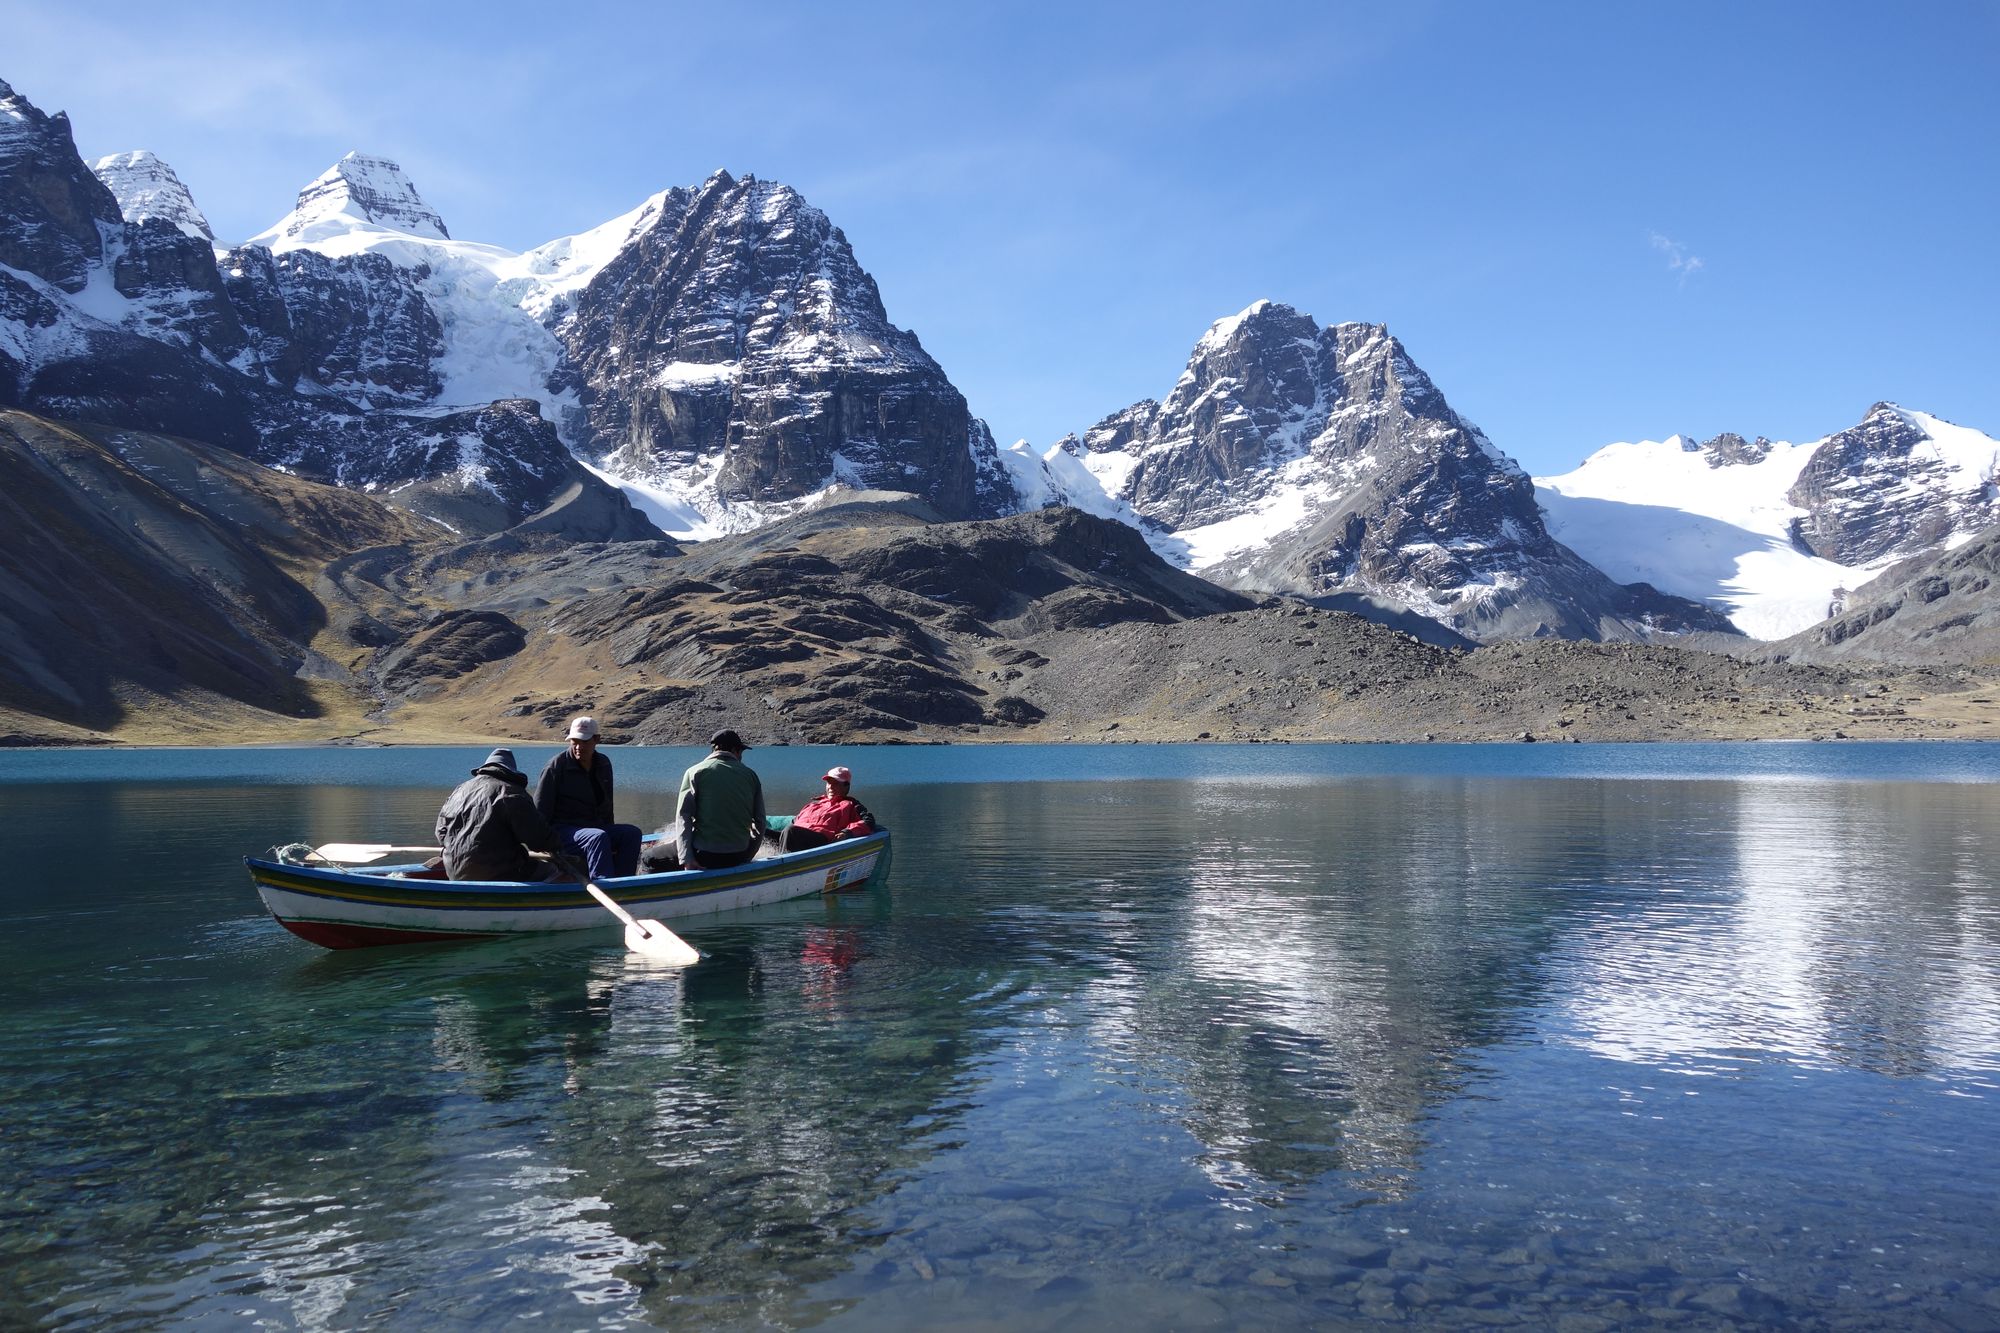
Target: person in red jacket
{"points": [[833, 816]]}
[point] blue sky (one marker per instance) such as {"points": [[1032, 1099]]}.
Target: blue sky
{"points": [[1588, 222]]}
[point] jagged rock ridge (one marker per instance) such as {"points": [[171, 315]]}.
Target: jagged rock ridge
{"points": [[721, 342]]}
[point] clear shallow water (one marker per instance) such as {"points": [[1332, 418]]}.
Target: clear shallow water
{"points": [[1227, 1037]]}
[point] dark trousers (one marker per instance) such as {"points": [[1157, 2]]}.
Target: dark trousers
{"points": [[605, 851], [664, 856], [724, 860], [798, 839]]}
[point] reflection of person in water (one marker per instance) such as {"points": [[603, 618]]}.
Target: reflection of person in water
{"points": [[516, 1027], [828, 954]]}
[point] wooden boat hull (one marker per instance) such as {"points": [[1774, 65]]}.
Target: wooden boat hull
{"points": [[352, 909]]}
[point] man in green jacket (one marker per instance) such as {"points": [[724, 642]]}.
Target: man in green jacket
{"points": [[721, 807]]}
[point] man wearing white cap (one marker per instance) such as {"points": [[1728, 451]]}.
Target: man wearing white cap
{"points": [[574, 795], [833, 816]]}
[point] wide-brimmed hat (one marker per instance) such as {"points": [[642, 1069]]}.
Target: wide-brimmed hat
{"points": [[582, 729], [842, 774], [503, 758], [727, 740]]}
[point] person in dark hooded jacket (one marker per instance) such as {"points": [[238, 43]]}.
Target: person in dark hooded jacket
{"points": [[489, 824]]}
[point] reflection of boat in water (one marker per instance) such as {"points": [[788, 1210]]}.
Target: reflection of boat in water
{"points": [[347, 908]]}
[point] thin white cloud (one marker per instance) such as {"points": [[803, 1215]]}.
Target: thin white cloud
{"points": [[1678, 259]]}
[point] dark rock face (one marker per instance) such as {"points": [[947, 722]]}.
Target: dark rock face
{"points": [[52, 209], [475, 471], [84, 369], [1870, 492], [740, 328], [1933, 609], [357, 326], [1402, 499], [176, 290]]}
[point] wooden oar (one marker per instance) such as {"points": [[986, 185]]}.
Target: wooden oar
{"points": [[361, 853], [643, 937]]}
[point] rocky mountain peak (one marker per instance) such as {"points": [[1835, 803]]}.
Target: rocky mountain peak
{"points": [[362, 188], [1896, 484], [736, 355], [51, 207], [146, 187]]}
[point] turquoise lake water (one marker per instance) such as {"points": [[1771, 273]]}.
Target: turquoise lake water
{"points": [[1577, 1037]]}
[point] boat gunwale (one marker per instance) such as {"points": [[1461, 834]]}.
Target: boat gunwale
{"points": [[352, 885]]}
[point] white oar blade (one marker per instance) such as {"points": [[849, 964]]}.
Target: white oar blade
{"points": [[657, 942], [350, 853], [361, 853]]}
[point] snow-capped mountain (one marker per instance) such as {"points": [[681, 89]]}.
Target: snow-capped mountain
{"points": [[718, 355], [721, 341], [327, 365], [145, 187], [357, 190], [1777, 533], [719, 344], [1323, 462]]}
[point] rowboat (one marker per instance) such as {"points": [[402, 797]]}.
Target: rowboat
{"points": [[353, 908]]}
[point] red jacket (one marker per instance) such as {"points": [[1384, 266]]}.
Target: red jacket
{"points": [[837, 817]]}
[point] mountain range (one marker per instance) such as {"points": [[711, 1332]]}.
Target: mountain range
{"points": [[715, 362]]}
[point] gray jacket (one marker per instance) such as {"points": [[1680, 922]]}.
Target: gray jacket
{"points": [[487, 826]]}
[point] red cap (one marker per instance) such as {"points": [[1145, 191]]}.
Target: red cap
{"points": [[842, 774]]}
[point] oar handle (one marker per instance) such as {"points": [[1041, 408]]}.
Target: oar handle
{"points": [[611, 903]]}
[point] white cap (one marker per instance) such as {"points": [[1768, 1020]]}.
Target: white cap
{"points": [[583, 729]]}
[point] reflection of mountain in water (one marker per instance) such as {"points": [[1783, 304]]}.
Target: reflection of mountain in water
{"points": [[1310, 965], [1781, 945], [1334, 982], [1313, 968]]}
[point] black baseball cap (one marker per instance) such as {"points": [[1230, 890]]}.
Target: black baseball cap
{"points": [[727, 740]]}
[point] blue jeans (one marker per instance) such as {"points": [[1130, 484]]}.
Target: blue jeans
{"points": [[605, 851]]}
